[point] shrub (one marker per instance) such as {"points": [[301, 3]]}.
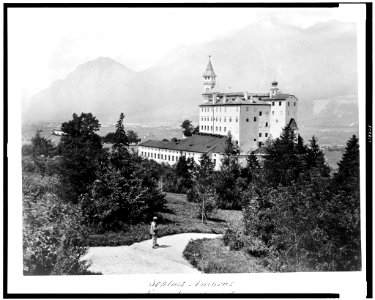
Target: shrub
{"points": [[52, 232]]}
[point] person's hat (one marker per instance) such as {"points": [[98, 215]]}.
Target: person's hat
{"points": [[154, 218]]}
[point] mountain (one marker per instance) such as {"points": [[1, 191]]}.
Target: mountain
{"points": [[317, 64]]}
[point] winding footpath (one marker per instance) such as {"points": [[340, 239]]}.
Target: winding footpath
{"points": [[140, 258]]}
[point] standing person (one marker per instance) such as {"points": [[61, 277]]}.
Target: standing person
{"points": [[154, 232]]}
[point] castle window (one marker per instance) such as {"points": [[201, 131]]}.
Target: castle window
{"points": [[220, 128], [255, 119], [260, 113], [266, 124], [158, 155], [288, 103], [225, 119], [294, 103], [277, 121], [255, 140], [169, 157], [260, 134], [211, 128], [225, 129], [279, 103], [273, 103], [230, 119], [202, 127], [266, 134], [247, 119], [216, 128], [236, 119], [260, 144]]}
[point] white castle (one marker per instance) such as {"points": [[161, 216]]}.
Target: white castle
{"points": [[251, 119]]}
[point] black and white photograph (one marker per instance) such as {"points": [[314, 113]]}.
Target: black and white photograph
{"points": [[187, 149]]}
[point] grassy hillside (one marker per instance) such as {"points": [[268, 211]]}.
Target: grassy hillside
{"points": [[179, 216]]}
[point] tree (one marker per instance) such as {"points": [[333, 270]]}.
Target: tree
{"points": [[81, 149], [174, 139], [347, 177], [203, 191], [41, 146], [282, 164], [226, 183], [314, 159], [187, 127], [132, 136], [120, 134]]}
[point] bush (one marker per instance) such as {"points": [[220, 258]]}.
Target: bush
{"points": [[52, 232]]}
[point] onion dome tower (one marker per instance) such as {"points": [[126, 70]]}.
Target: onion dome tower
{"points": [[274, 88], [209, 77]]}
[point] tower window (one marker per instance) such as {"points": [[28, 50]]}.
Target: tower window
{"points": [[211, 128], [225, 129], [260, 144], [230, 119], [294, 103], [260, 134], [216, 128], [279, 103], [255, 119], [220, 128], [169, 157], [266, 134], [260, 113], [236, 119], [247, 119], [273, 103], [288, 103], [266, 124]]}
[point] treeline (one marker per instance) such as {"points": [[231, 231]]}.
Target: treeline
{"points": [[297, 215], [79, 188]]}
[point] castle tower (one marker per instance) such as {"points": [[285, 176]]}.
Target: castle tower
{"points": [[209, 77], [274, 88]]}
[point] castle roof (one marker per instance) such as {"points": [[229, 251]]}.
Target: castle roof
{"points": [[241, 99], [200, 142], [209, 70]]}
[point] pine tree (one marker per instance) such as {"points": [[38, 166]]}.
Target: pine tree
{"points": [[121, 138], [347, 177], [282, 164], [314, 159]]}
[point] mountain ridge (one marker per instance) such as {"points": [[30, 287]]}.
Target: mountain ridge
{"points": [[245, 60]]}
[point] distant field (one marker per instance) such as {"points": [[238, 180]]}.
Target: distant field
{"points": [[333, 157]]}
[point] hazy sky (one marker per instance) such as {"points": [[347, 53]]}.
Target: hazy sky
{"points": [[46, 44]]}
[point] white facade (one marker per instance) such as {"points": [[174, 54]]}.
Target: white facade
{"points": [[171, 157], [251, 119]]}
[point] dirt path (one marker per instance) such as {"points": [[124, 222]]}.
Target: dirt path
{"points": [[140, 258]]}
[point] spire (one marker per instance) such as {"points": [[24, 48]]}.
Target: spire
{"points": [[209, 70]]}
